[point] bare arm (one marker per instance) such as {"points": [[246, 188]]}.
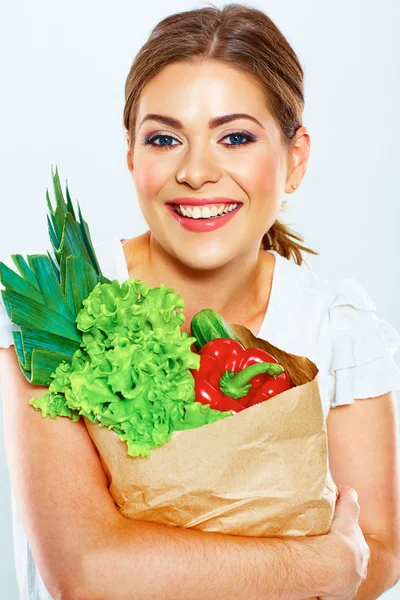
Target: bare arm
{"points": [[147, 561], [58, 482], [81, 543], [364, 454], [383, 571]]}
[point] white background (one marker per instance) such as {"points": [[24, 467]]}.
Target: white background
{"points": [[62, 81]]}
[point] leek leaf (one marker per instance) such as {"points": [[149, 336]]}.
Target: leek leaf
{"points": [[45, 296]]}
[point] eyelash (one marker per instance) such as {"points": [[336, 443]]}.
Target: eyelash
{"points": [[149, 140]]}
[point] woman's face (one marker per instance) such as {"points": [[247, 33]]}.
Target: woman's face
{"points": [[241, 160]]}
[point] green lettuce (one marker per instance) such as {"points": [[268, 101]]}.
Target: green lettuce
{"points": [[132, 370]]}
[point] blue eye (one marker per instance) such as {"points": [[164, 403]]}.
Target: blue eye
{"points": [[150, 141], [240, 134]]}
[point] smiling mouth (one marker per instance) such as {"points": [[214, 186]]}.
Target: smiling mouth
{"points": [[175, 208]]}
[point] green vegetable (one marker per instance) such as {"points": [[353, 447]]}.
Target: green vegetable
{"points": [[114, 354], [131, 373], [207, 325], [45, 297]]}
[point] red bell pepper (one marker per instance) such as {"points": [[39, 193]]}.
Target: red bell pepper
{"points": [[232, 377]]}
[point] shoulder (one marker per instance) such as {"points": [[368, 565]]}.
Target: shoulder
{"points": [[339, 322], [304, 278], [362, 347], [111, 256], [345, 305], [348, 291], [304, 299]]}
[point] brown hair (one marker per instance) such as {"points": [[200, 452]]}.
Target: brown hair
{"points": [[244, 38]]}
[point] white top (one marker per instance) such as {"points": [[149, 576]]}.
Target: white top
{"points": [[333, 324]]}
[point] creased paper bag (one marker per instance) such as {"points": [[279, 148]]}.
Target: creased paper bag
{"points": [[261, 472]]}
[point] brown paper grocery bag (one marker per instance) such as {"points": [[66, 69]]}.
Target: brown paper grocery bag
{"points": [[261, 472]]}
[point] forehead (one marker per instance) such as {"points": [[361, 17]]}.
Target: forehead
{"points": [[191, 92]]}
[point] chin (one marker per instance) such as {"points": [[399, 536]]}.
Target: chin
{"points": [[198, 262]]}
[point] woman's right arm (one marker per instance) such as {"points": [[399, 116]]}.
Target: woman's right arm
{"points": [[57, 478], [85, 549]]}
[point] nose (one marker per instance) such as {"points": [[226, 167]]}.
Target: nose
{"points": [[198, 166]]}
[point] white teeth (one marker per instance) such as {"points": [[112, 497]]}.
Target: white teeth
{"points": [[214, 211], [196, 212], [205, 212]]}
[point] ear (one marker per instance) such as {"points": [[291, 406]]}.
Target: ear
{"points": [[129, 152], [299, 155]]}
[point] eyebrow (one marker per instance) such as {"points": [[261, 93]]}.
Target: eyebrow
{"points": [[212, 124]]}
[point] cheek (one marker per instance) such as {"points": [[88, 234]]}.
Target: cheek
{"points": [[262, 179], [150, 174], [263, 175]]}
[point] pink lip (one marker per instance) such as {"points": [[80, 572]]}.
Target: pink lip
{"points": [[201, 225], [190, 201]]}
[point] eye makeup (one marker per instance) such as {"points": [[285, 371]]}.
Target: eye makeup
{"points": [[150, 140]]}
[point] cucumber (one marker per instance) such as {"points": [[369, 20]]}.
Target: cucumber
{"points": [[208, 325]]}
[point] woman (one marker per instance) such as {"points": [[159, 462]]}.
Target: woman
{"points": [[213, 116]]}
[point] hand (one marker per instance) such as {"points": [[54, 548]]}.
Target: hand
{"points": [[346, 549]]}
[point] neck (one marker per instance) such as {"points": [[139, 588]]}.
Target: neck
{"points": [[235, 290]]}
